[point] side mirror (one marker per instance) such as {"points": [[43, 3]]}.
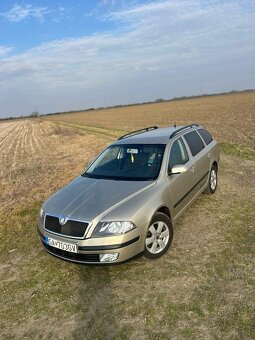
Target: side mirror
{"points": [[178, 169]]}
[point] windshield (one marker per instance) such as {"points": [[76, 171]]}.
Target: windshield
{"points": [[134, 162]]}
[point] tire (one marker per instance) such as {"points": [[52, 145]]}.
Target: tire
{"points": [[158, 242], [212, 181]]}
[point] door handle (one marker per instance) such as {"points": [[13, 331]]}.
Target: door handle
{"points": [[192, 169]]}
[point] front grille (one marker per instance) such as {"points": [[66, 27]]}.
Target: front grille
{"points": [[72, 256], [70, 228]]}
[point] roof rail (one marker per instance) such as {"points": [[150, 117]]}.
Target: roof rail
{"points": [[138, 131], [182, 128]]}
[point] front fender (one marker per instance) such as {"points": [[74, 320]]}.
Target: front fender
{"points": [[141, 208]]}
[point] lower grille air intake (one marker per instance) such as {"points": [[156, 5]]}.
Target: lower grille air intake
{"points": [[72, 256]]}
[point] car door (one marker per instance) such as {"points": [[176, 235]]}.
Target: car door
{"points": [[180, 185], [201, 157]]}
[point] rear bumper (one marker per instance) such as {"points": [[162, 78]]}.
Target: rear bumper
{"points": [[91, 254]]}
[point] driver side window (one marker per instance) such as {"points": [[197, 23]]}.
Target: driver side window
{"points": [[178, 154]]}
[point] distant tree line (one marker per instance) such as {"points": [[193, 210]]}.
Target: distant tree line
{"points": [[36, 114]]}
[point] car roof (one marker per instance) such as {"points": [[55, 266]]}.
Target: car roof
{"points": [[154, 135]]}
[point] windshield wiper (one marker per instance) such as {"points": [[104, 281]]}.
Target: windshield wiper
{"points": [[116, 178], [91, 176]]}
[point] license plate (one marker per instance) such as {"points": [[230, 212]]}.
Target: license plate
{"points": [[61, 245]]}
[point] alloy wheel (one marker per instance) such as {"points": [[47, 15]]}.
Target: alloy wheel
{"points": [[157, 237]]}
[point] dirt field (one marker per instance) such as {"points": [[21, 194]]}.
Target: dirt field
{"points": [[203, 288], [229, 117]]}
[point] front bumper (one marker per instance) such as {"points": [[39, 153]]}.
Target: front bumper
{"points": [[130, 246]]}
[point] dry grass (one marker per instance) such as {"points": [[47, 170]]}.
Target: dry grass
{"points": [[203, 288], [38, 157], [60, 130]]}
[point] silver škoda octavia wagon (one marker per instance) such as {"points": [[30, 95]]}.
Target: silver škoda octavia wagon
{"points": [[128, 199]]}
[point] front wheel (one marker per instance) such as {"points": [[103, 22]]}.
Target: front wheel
{"points": [[159, 236], [213, 181]]}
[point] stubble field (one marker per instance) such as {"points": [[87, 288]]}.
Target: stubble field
{"points": [[203, 288], [230, 118]]}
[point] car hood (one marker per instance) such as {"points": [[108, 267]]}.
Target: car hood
{"points": [[86, 198]]}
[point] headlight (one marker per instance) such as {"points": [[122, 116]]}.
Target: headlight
{"points": [[113, 228]]}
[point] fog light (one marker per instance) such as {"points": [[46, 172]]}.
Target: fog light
{"points": [[108, 257]]}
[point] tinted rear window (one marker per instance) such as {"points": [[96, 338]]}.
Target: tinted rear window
{"points": [[205, 135], [195, 143]]}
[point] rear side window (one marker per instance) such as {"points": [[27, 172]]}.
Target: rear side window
{"points": [[195, 143], [178, 154], [205, 135]]}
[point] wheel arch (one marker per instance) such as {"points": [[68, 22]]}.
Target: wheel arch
{"points": [[215, 164], [165, 210]]}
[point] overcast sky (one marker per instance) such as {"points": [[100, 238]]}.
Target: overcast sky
{"points": [[66, 55]]}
